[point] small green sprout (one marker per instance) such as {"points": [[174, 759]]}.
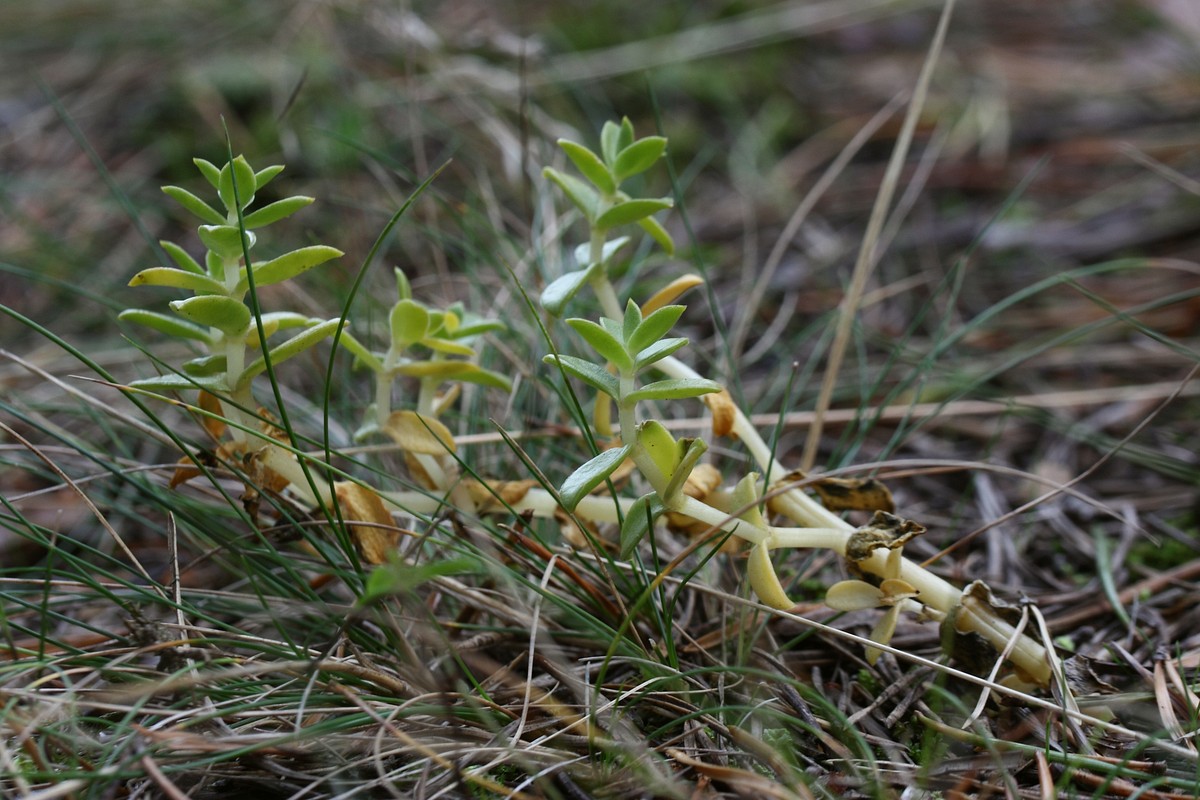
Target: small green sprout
{"points": [[432, 346]]}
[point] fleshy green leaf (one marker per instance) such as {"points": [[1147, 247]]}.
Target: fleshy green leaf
{"points": [[632, 211], [398, 578], [177, 279], [288, 319], [658, 443], [583, 196], [403, 287], [194, 204], [171, 326], [589, 373], [293, 346], [638, 157], [633, 318], [637, 523], [692, 450], [582, 481], [216, 269], [613, 327], [853, 595], [181, 257], [610, 135], [658, 233], [583, 252], [624, 135], [764, 580], [238, 170], [674, 389], [654, 327], [447, 346], [603, 342], [465, 371], [556, 296], [658, 351], [473, 326], [227, 315], [173, 383], [485, 377], [590, 165], [360, 352], [225, 240], [745, 495], [446, 370], [276, 211], [210, 171], [265, 176], [409, 323], [205, 366], [289, 265]]}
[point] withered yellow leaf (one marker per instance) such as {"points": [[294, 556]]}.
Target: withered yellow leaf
{"points": [[667, 294], [498, 495], [419, 434], [211, 404], [764, 580], [723, 409], [358, 503]]}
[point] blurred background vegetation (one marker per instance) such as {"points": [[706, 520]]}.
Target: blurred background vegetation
{"points": [[363, 99]]}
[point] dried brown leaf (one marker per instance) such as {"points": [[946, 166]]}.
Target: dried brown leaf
{"points": [[854, 494], [212, 404], [724, 411], [358, 503], [498, 495]]}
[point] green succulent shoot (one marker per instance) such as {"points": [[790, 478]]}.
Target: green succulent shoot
{"points": [[432, 346], [217, 314], [631, 346], [605, 206]]}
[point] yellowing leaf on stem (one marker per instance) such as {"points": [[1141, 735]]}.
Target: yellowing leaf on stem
{"points": [[853, 595], [763, 579], [668, 294], [419, 434]]}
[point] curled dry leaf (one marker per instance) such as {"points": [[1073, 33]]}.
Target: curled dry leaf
{"points": [[884, 530], [210, 403], [854, 494], [498, 496], [358, 503], [247, 457], [417, 472], [724, 411], [844, 494], [571, 532]]}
